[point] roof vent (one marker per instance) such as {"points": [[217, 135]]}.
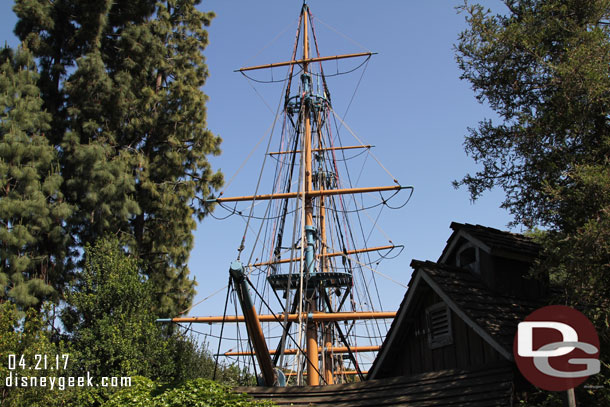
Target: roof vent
{"points": [[468, 257], [439, 325]]}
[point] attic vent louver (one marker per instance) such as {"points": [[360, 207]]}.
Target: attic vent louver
{"points": [[439, 325]]}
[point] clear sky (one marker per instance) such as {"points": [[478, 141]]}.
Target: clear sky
{"points": [[410, 104]]}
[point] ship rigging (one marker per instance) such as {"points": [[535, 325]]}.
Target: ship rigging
{"points": [[310, 249]]}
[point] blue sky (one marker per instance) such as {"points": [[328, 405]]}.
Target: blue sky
{"points": [[410, 104]]}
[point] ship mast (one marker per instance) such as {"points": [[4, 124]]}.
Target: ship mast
{"points": [[313, 377], [313, 291]]}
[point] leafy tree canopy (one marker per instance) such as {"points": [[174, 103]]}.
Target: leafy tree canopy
{"points": [[544, 68], [113, 331]]}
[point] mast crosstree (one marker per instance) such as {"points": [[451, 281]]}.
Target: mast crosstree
{"points": [[316, 280]]}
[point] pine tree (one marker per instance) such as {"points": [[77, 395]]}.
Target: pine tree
{"points": [[32, 210], [123, 83]]}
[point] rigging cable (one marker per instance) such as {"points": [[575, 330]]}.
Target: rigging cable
{"points": [[365, 241], [376, 323], [375, 271], [356, 137], [271, 129], [199, 302], [250, 78], [273, 40], [243, 241], [315, 40], [344, 72], [302, 263], [354, 94], [342, 34], [277, 318], [224, 315], [297, 204]]}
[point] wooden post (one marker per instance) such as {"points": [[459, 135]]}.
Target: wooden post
{"points": [[569, 398]]}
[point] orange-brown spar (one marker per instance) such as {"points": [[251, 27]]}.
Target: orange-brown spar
{"points": [[334, 254], [312, 194], [305, 61], [334, 349], [317, 316], [317, 150]]}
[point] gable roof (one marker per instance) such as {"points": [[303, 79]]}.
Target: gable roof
{"points": [[482, 387], [498, 315], [494, 317], [494, 241]]}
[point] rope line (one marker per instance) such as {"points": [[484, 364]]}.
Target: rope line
{"points": [[357, 138]]}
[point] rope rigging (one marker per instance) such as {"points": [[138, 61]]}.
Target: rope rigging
{"points": [[307, 253], [383, 201]]}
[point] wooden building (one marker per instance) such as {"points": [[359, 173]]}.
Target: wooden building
{"points": [[451, 341], [462, 311]]}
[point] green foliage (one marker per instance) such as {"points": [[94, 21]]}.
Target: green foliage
{"points": [[105, 135], [33, 335], [113, 331], [123, 81], [193, 361], [545, 70], [27, 337], [31, 205], [192, 393]]}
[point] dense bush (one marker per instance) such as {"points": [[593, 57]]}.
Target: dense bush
{"points": [[192, 393]]}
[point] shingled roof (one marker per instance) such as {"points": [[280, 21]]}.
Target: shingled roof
{"points": [[493, 316], [497, 314], [497, 242], [485, 387]]}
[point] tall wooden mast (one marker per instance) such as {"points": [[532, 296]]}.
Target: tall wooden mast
{"points": [[321, 276], [313, 375]]}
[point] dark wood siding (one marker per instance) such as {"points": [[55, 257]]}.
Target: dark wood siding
{"points": [[512, 278], [467, 350]]}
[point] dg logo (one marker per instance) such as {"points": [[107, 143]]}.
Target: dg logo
{"points": [[556, 348]]}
